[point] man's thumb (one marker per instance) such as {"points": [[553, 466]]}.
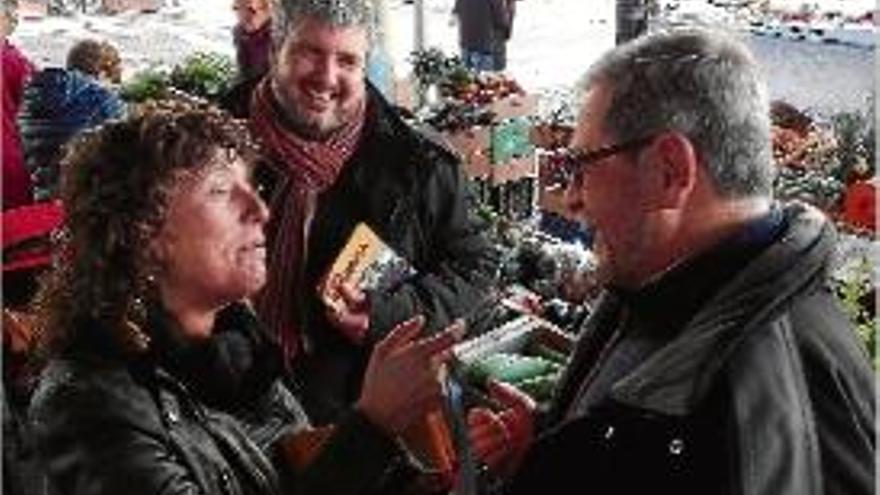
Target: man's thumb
{"points": [[510, 396]]}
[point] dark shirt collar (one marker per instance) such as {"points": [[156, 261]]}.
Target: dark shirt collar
{"points": [[664, 306]]}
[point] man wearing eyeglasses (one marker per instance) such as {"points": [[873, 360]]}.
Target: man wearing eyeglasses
{"points": [[717, 360]]}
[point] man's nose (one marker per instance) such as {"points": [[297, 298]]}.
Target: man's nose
{"points": [[326, 70]]}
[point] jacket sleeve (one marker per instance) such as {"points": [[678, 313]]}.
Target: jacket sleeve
{"points": [[95, 438], [460, 265], [804, 407]]}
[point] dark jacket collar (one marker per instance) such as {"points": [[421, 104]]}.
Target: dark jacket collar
{"points": [[226, 371], [391, 145], [677, 377], [665, 305]]}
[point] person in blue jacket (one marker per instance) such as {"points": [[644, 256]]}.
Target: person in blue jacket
{"points": [[59, 103]]}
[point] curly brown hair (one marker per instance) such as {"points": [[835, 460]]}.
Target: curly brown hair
{"points": [[96, 58], [116, 185]]}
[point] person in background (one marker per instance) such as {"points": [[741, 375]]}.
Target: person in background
{"points": [[60, 102], [17, 69], [500, 52], [26, 257], [718, 359], [339, 155], [484, 26], [160, 378], [252, 36], [98, 59]]}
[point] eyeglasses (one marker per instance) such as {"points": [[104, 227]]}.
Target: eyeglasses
{"points": [[574, 162]]}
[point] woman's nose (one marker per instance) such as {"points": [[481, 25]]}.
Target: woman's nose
{"points": [[257, 208]]}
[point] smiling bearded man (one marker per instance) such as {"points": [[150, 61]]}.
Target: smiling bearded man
{"points": [[340, 155]]}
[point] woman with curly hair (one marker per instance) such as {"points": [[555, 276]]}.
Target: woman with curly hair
{"points": [[160, 379]]}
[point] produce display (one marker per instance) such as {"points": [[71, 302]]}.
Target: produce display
{"points": [[203, 75], [482, 88], [527, 352], [452, 116], [533, 375], [432, 67]]}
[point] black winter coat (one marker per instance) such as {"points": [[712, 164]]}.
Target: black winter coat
{"points": [[765, 390], [412, 192], [483, 24], [198, 419]]}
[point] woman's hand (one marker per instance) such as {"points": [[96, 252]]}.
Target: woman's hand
{"points": [[501, 439], [402, 382]]}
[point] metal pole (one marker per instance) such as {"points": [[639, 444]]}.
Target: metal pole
{"points": [[419, 25], [419, 45]]}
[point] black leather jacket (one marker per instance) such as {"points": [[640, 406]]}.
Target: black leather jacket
{"points": [[189, 419]]}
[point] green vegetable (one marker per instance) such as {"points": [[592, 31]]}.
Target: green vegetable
{"points": [[539, 388], [510, 368], [541, 350], [207, 75], [146, 85]]}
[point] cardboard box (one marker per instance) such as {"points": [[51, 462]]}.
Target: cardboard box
{"points": [[513, 337], [477, 165], [513, 106], [510, 140], [514, 170], [553, 200], [472, 146], [467, 141]]}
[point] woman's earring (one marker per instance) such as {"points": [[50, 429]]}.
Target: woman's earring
{"points": [[139, 340]]}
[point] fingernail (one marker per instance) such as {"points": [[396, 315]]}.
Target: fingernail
{"points": [[417, 320], [458, 329]]}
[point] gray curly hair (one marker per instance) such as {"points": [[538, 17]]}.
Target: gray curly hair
{"points": [[704, 84], [286, 14]]}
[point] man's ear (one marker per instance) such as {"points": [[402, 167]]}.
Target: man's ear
{"points": [[675, 163]]}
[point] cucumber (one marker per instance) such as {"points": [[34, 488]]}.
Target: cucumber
{"points": [[539, 388], [510, 368], [541, 350]]}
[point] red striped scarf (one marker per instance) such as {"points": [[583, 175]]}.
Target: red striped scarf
{"points": [[308, 168]]}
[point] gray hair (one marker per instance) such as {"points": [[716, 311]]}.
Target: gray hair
{"points": [[286, 14], [703, 84]]}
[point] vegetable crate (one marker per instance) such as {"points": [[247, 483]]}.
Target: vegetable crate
{"points": [[528, 353]]}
